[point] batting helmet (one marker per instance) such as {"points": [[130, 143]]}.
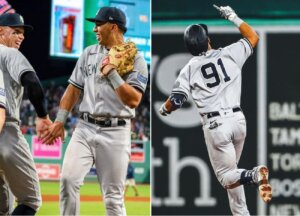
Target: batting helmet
{"points": [[196, 38]]}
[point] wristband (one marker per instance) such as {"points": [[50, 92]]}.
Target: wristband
{"points": [[62, 115], [115, 79], [237, 21]]}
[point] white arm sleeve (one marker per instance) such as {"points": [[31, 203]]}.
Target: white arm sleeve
{"points": [[182, 83]]}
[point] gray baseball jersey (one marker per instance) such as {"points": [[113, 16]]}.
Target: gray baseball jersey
{"points": [[214, 79], [13, 64], [107, 147], [2, 91], [16, 161], [6, 197], [99, 98], [214, 82]]}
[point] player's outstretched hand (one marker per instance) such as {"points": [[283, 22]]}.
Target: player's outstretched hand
{"points": [[53, 132], [226, 12], [163, 110]]}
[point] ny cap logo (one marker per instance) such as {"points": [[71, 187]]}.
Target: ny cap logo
{"points": [[21, 19], [110, 18]]}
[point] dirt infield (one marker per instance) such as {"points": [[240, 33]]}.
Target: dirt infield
{"points": [[55, 198]]}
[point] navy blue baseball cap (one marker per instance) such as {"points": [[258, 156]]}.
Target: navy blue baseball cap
{"points": [[112, 15], [13, 20]]}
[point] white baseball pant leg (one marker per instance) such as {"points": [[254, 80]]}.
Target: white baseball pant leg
{"points": [[78, 160], [225, 144], [112, 158], [17, 163], [7, 199]]}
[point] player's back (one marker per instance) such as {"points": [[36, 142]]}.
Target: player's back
{"points": [[214, 78]]}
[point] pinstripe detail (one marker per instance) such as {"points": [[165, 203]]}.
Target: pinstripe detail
{"points": [[2, 104], [182, 93], [75, 84], [139, 87], [248, 42]]}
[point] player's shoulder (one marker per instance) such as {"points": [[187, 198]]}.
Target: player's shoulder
{"points": [[240, 43], [139, 57], [8, 50]]}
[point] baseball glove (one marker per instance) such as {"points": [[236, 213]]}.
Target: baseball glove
{"points": [[122, 57]]}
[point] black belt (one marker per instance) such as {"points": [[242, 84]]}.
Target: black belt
{"points": [[213, 114], [101, 123]]}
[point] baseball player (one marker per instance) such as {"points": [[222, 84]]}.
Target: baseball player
{"points": [[130, 181], [213, 78], [16, 161], [102, 136], [6, 197]]}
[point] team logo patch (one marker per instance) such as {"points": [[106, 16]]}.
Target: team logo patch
{"points": [[2, 92], [21, 19], [142, 79]]}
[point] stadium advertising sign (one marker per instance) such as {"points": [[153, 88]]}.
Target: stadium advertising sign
{"points": [[183, 180], [284, 123], [42, 151], [137, 151], [48, 171]]}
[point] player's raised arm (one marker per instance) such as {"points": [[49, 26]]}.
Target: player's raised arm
{"points": [[247, 31]]}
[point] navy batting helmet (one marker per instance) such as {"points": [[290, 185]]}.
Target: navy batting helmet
{"points": [[196, 39]]}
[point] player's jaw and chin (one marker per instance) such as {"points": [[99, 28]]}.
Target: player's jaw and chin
{"points": [[102, 35], [15, 40]]}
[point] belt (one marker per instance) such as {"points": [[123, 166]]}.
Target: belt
{"points": [[102, 123], [216, 113]]}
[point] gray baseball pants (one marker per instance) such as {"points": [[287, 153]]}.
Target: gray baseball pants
{"points": [[109, 149], [6, 197], [18, 166], [225, 145]]}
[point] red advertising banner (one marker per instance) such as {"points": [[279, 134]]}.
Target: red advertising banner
{"points": [[48, 171]]}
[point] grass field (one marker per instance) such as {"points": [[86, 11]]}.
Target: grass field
{"points": [[91, 196]]}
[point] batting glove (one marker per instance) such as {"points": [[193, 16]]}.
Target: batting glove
{"points": [[163, 110], [228, 13]]}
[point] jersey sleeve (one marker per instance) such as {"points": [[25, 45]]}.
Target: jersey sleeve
{"points": [[139, 77], [240, 51], [182, 83], [16, 64], [77, 77], [2, 91]]}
